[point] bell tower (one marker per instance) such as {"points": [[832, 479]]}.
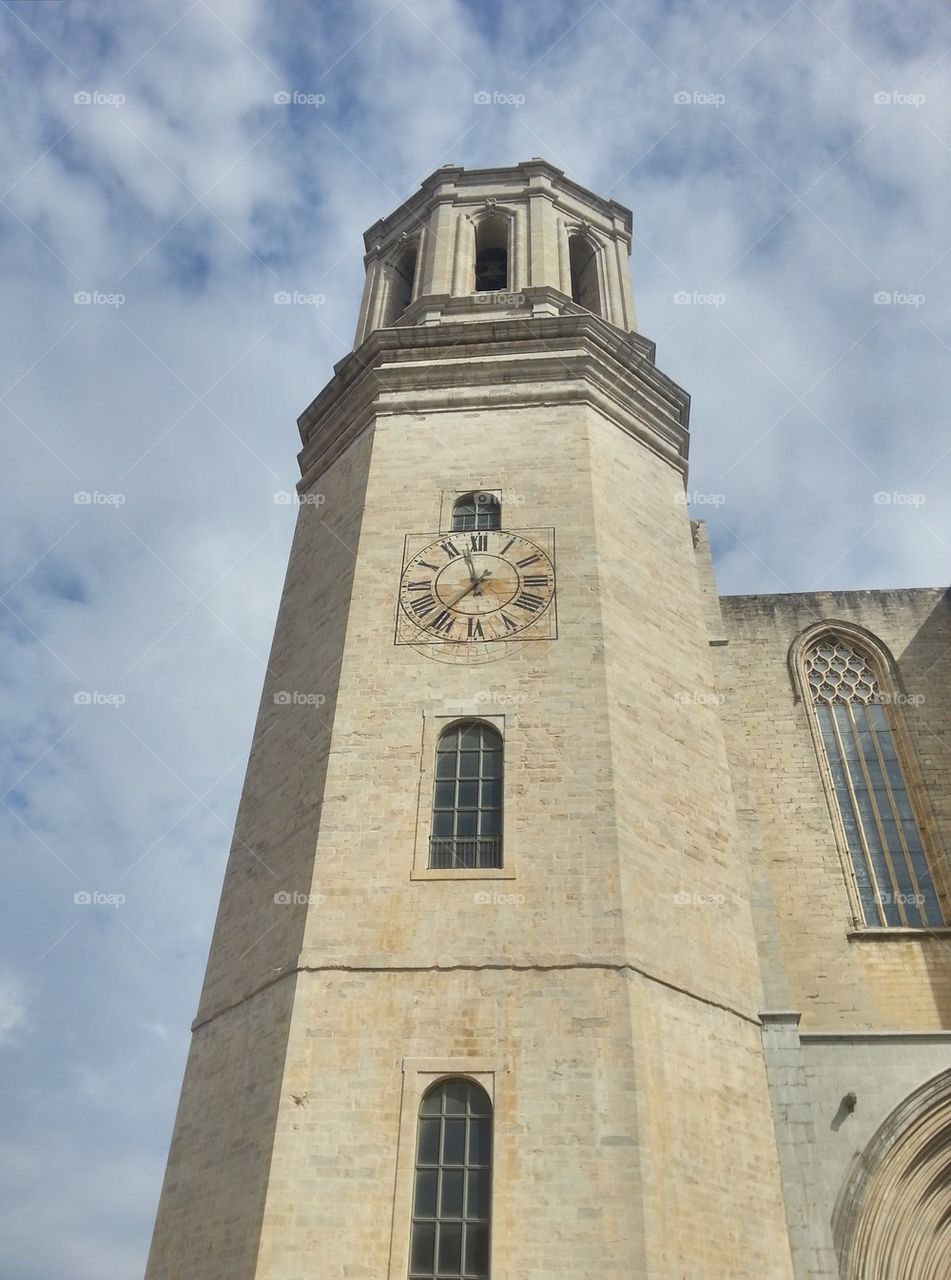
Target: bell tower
{"points": [[483, 996]]}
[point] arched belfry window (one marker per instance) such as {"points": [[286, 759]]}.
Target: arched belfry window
{"points": [[583, 264], [467, 798], [401, 276], [452, 1192], [492, 255], [476, 511], [856, 729]]}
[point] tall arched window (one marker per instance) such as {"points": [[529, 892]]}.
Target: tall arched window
{"points": [[492, 255], [476, 511], [467, 798], [583, 263], [452, 1194], [890, 869], [401, 275]]}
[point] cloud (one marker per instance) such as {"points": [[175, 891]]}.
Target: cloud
{"points": [[12, 1006]]}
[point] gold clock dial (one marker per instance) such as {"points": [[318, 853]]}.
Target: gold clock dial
{"points": [[489, 584]]}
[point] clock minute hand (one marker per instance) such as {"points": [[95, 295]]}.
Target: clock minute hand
{"points": [[471, 587]]}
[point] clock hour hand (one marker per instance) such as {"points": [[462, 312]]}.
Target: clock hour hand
{"points": [[471, 587]]}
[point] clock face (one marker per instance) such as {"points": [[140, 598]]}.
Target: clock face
{"points": [[478, 586]]}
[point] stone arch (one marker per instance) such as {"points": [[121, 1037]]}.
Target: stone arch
{"points": [[892, 1220]]}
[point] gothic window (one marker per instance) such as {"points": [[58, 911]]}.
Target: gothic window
{"points": [[491, 264], [583, 263], [477, 511], [401, 275], [451, 1196], [467, 798], [889, 866]]}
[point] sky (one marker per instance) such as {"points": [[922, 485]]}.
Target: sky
{"points": [[789, 169]]}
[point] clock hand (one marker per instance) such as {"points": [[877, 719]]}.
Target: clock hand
{"points": [[471, 567], [472, 585]]}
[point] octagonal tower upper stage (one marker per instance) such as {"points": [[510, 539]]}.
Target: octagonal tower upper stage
{"points": [[476, 243]]}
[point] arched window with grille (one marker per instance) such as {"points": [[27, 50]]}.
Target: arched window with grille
{"points": [[476, 511], [467, 798], [853, 707], [453, 1184]]}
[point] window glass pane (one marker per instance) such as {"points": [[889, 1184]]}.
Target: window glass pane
{"points": [[448, 741], [442, 823], [491, 793], [479, 1104], [425, 1204], [455, 1093], [428, 1142], [480, 1137], [444, 795], [466, 822], [450, 1205], [469, 764], [424, 1240], [446, 765], [492, 764], [450, 1249], [454, 1141], [468, 795], [477, 1249], [471, 736], [477, 1194], [491, 822], [431, 1103]]}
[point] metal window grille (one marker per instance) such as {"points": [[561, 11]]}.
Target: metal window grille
{"points": [[467, 798], [452, 1191]]}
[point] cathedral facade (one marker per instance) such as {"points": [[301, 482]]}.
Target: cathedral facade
{"points": [[579, 922]]}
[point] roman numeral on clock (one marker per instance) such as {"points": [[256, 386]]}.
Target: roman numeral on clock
{"points": [[422, 606], [478, 542], [450, 549], [529, 602], [533, 580], [528, 560], [422, 585], [443, 623], [475, 630], [508, 624]]}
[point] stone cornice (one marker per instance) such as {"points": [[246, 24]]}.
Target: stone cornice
{"points": [[515, 361], [454, 183]]}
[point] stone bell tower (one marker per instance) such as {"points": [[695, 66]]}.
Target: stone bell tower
{"points": [[482, 997]]}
